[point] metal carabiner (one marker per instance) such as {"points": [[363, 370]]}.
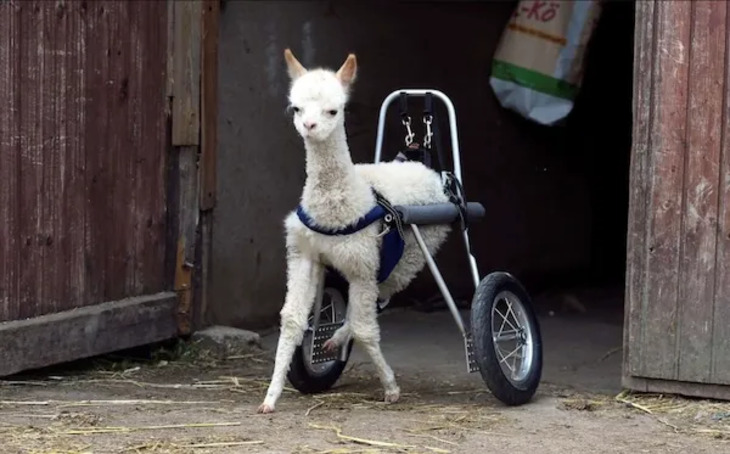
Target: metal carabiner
{"points": [[427, 120], [410, 134]]}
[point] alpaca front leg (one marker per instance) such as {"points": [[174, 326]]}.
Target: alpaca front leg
{"points": [[363, 320], [303, 279]]}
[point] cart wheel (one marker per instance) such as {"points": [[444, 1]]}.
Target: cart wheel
{"points": [[506, 336], [311, 378]]}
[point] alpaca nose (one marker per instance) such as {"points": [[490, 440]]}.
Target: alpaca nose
{"points": [[310, 125]]}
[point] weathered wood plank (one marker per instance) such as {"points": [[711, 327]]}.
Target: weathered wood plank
{"points": [[668, 139], [30, 86], [73, 193], [209, 103], [699, 217], [156, 130], [85, 332], [8, 160], [56, 37], [139, 202], [186, 76], [703, 390], [48, 161], [639, 182], [99, 183], [186, 67], [120, 232], [188, 215], [170, 45], [721, 326], [203, 276], [148, 122]]}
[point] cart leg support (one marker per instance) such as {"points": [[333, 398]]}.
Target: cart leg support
{"points": [[439, 280], [472, 260], [468, 344]]}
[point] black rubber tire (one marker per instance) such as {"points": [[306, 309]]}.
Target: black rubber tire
{"points": [[485, 354], [300, 377]]}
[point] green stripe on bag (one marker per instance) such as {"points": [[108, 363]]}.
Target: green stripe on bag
{"points": [[533, 80]]}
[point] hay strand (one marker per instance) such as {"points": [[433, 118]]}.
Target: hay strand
{"points": [[363, 441], [91, 403], [119, 429], [309, 410], [620, 398]]}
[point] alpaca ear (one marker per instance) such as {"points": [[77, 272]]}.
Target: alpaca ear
{"points": [[295, 68], [347, 73]]}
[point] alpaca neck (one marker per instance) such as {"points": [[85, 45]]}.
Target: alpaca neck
{"points": [[334, 194]]}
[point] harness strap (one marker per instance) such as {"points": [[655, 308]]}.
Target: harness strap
{"points": [[428, 110], [403, 103], [393, 244], [378, 212]]}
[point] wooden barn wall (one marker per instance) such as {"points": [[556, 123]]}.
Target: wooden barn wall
{"points": [[678, 282], [82, 153]]}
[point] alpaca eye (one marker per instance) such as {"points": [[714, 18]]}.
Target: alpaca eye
{"points": [[332, 112], [296, 109]]}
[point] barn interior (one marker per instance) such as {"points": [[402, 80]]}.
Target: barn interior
{"points": [[556, 197]]}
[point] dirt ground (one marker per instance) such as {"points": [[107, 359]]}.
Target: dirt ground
{"points": [[180, 400]]}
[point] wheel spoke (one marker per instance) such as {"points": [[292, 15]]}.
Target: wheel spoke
{"points": [[502, 359], [508, 335], [505, 358], [514, 316], [505, 318]]}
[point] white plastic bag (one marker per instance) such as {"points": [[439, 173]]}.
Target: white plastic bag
{"points": [[538, 66]]}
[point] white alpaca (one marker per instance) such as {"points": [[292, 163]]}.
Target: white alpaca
{"points": [[337, 193]]}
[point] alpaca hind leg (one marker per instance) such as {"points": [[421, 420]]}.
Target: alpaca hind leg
{"points": [[362, 315], [303, 279], [340, 337]]}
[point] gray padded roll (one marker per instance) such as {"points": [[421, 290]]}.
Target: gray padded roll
{"points": [[438, 213]]}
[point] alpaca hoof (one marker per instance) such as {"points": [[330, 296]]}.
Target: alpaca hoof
{"points": [[392, 397], [265, 408], [330, 346]]}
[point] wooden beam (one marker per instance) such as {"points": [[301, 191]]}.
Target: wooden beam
{"points": [[701, 191], [209, 102], [184, 199], [188, 219], [88, 331], [645, 28], [703, 390], [667, 149], [186, 73], [721, 327]]}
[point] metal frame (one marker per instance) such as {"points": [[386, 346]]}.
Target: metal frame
{"points": [[456, 160]]}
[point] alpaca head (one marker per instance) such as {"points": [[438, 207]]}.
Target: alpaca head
{"points": [[318, 97]]}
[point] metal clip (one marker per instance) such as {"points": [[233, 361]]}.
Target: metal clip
{"points": [[386, 229], [427, 120], [410, 134]]}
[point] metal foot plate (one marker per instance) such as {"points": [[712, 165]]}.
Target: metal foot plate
{"points": [[324, 332], [471, 362]]}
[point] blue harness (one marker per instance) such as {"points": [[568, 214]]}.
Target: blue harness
{"points": [[391, 250]]}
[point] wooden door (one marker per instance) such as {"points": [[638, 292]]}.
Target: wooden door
{"points": [[677, 331], [91, 231]]}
